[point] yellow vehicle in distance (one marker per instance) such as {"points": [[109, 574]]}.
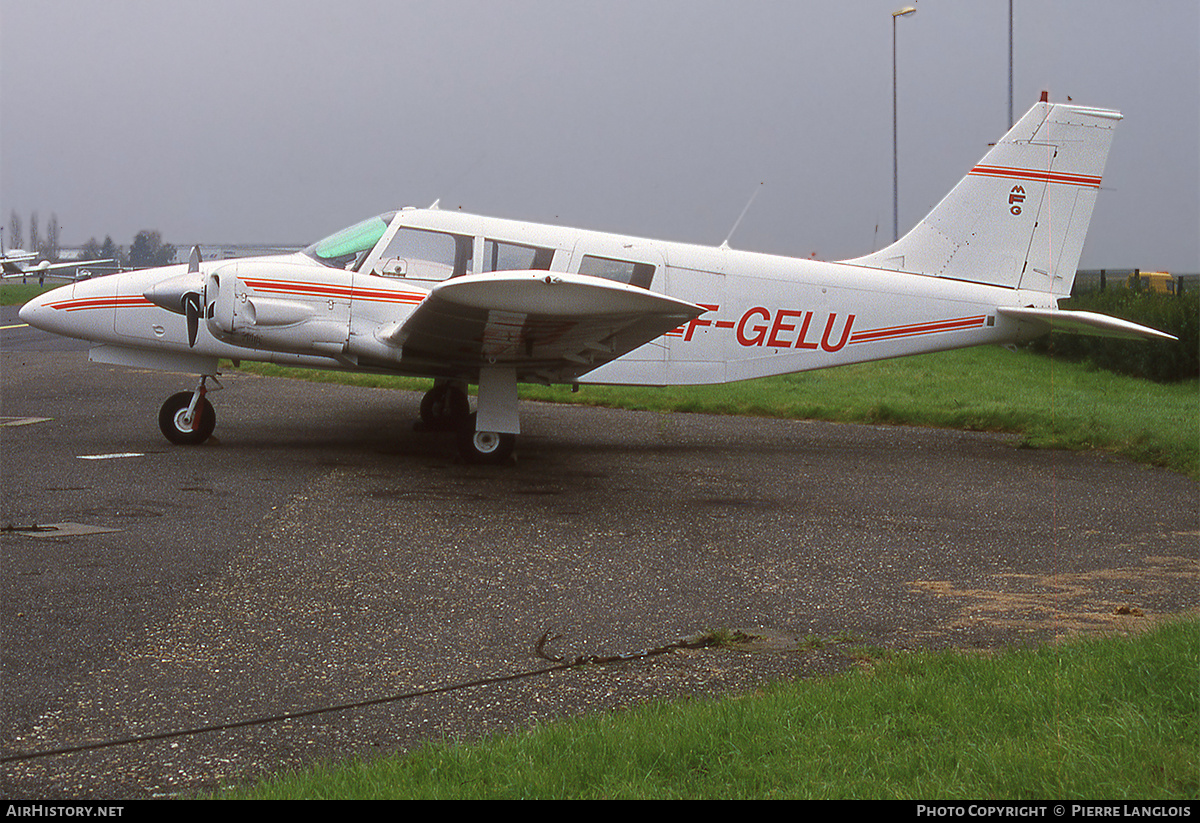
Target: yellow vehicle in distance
{"points": [[1153, 281]]}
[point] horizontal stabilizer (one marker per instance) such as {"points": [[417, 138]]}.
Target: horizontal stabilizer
{"points": [[1086, 322]]}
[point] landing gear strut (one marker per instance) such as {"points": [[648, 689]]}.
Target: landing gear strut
{"points": [[489, 435], [446, 407], [187, 418]]}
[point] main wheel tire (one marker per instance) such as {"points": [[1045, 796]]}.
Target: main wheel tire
{"points": [[171, 422], [445, 407], [489, 448]]}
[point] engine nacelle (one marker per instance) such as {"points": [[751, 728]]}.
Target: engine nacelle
{"points": [[277, 306]]}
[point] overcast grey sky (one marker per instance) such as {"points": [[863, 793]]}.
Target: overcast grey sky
{"points": [[243, 121]]}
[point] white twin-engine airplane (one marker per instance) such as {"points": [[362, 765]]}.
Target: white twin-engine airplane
{"points": [[467, 300]]}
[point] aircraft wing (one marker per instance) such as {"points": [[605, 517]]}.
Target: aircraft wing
{"points": [[548, 326], [1086, 322]]}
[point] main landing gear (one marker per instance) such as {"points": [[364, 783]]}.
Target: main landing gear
{"points": [[187, 418], [491, 448], [446, 407]]}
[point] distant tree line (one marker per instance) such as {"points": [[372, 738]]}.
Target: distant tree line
{"points": [[46, 246], [146, 251]]}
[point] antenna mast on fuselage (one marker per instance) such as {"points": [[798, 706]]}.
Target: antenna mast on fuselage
{"points": [[736, 223]]}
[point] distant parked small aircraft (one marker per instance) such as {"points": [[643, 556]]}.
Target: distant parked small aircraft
{"points": [[14, 262], [465, 299]]}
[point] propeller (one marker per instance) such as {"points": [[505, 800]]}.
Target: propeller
{"points": [[191, 300], [191, 310], [182, 294]]}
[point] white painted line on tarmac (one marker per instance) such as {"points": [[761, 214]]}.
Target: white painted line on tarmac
{"points": [[21, 421], [58, 530], [109, 456]]}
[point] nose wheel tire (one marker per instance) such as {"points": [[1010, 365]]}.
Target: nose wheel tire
{"points": [[172, 420], [489, 448]]}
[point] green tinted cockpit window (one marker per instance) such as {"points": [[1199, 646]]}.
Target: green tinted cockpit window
{"points": [[345, 246]]}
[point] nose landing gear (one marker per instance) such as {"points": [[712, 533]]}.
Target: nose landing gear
{"points": [[187, 418]]}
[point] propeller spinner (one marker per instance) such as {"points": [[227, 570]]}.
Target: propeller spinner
{"points": [[182, 295]]}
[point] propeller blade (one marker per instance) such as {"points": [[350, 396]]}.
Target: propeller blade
{"points": [[194, 260], [191, 310]]}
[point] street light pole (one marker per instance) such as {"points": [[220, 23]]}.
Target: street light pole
{"points": [[904, 12], [1010, 66]]}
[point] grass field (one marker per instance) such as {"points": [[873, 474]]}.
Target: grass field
{"points": [[16, 293], [1110, 719]]}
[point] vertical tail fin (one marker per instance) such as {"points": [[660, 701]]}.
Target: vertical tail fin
{"points": [[1018, 219]]}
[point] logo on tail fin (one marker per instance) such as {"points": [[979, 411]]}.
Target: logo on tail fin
{"points": [[1016, 197]]}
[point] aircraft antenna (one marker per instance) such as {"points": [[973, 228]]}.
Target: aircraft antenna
{"points": [[736, 223]]}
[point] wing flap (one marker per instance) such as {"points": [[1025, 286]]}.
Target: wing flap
{"points": [[546, 325], [1086, 322]]}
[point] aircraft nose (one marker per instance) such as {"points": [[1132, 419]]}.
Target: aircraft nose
{"points": [[48, 311], [36, 312]]}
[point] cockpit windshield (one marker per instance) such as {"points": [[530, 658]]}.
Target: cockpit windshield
{"points": [[349, 247]]}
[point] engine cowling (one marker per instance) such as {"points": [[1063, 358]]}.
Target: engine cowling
{"points": [[277, 306]]}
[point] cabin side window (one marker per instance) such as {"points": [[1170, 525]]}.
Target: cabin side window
{"points": [[501, 256], [622, 271], [419, 254]]}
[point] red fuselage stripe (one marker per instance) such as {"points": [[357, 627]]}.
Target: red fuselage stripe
{"points": [[118, 302], [325, 290], [958, 324]]}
